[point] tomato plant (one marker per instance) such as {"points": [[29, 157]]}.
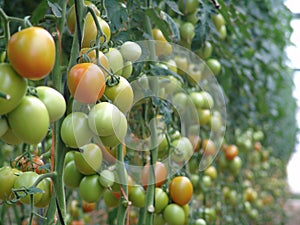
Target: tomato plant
{"points": [[38, 46]]}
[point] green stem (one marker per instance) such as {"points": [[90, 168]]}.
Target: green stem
{"points": [[5, 96], [120, 167]]}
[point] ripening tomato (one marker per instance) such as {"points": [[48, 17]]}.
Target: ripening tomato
{"points": [[86, 82], [31, 52], [209, 147], [231, 151], [177, 187], [30, 120], [90, 31], [13, 85], [160, 174]]}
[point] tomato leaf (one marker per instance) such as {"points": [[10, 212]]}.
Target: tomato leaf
{"points": [[117, 14], [39, 12], [55, 8], [174, 7], [172, 25]]}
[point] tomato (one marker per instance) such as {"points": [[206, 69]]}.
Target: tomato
{"points": [[115, 60], [204, 116], [198, 99], [121, 95], [3, 126], [188, 6], [206, 181], [235, 165], [192, 17], [104, 118], [211, 171], [90, 31], [181, 63], [127, 69], [10, 138], [187, 31], [26, 222], [31, 52], [109, 199], [13, 85], [158, 219], [179, 185], [180, 102], [162, 46], [8, 177], [69, 157], [75, 131], [250, 194], [89, 189], [218, 20], [182, 150], [71, 16], [88, 207], [86, 82], [77, 222], [231, 151], [89, 160], [47, 192], [71, 175], [26, 180], [30, 120], [208, 100], [107, 178], [214, 65], [137, 196], [200, 221], [92, 56], [174, 214], [206, 51], [53, 100], [195, 73], [160, 172], [222, 32], [29, 164], [109, 154], [161, 200], [130, 51], [208, 147]]}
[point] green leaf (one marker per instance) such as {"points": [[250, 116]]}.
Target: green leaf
{"points": [[174, 7], [39, 12], [55, 8], [172, 25], [117, 14]]}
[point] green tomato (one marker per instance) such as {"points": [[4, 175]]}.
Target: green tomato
{"points": [[218, 20], [8, 177], [158, 219], [89, 160], [53, 100], [47, 192], [89, 189], [118, 136], [188, 6], [109, 199], [104, 118], [115, 60], [187, 31], [208, 100], [13, 85], [121, 95], [161, 200], [75, 131], [197, 99], [200, 222], [214, 65], [106, 178], [194, 72], [71, 175], [30, 120], [137, 196], [206, 51], [174, 214], [27, 179], [10, 138], [127, 69], [182, 149], [3, 126], [204, 116], [130, 51], [222, 32]]}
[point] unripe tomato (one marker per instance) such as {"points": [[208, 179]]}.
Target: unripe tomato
{"points": [[47, 192], [10, 138], [89, 189], [26, 180], [13, 85], [160, 174], [174, 214], [130, 51], [188, 6], [187, 31], [109, 199], [222, 32], [127, 69], [107, 178], [31, 52], [71, 16], [71, 175], [179, 185], [89, 160], [53, 100], [214, 65], [161, 200], [137, 196], [206, 51], [86, 82], [183, 149], [162, 46], [218, 20], [3, 126], [211, 171], [75, 131], [208, 100], [8, 177], [30, 120], [115, 60], [90, 31], [121, 95]]}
